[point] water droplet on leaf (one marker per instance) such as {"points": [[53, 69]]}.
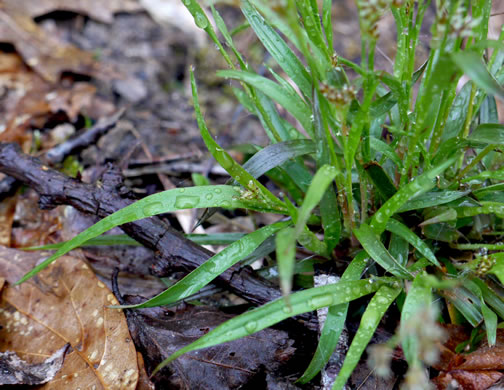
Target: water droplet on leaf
{"points": [[186, 202]]}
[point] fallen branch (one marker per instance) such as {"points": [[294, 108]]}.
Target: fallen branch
{"points": [[173, 250]]}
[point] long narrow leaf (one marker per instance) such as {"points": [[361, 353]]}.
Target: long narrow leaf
{"points": [[226, 161], [262, 317], [212, 268], [375, 310], [278, 49], [372, 245], [163, 202], [472, 65], [334, 323], [403, 231], [418, 298], [418, 186], [291, 102]]}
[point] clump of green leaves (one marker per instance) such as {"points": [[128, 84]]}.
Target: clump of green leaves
{"points": [[409, 171]]}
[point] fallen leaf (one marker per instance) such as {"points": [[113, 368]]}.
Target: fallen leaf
{"points": [[63, 304], [14, 371], [29, 101], [467, 380], [45, 53], [477, 370], [158, 332], [102, 11]]}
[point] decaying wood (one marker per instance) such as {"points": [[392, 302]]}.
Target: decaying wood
{"points": [[173, 250]]}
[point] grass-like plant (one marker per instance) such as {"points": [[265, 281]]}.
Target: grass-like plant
{"points": [[409, 172]]}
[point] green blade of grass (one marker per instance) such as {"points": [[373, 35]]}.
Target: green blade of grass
{"points": [[287, 240], [489, 317], [334, 323], [321, 181], [432, 199], [278, 49], [445, 216], [123, 239], [227, 162], [221, 25], [485, 175], [385, 149], [271, 313], [211, 268], [491, 133], [490, 296], [418, 186], [372, 245], [399, 249], [286, 256], [471, 64], [466, 303], [275, 155], [384, 186], [291, 102], [485, 208], [403, 231], [419, 297], [375, 310], [163, 202]]}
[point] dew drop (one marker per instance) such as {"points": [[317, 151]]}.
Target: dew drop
{"points": [[320, 301], [181, 190], [287, 309], [218, 191], [208, 196], [201, 20], [225, 204], [378, 217], [186, 202], [251, 326], [225, 160], [153, 208]]}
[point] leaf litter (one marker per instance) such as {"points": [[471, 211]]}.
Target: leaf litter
{"points": [[67, 304]]}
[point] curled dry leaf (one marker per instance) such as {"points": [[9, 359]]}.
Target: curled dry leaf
{"points": [[473, 371], [15, 371], [45, 53], [102, 11], [66, 303]]}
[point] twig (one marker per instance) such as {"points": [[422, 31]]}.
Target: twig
{"points": [[173, 250]]}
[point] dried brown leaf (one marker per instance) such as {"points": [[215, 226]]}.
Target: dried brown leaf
{"points": [[15, 371], [102, 11], [63, 304], [45, 53], [467, 380], [159, 332]]}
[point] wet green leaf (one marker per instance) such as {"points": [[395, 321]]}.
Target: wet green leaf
{"points": [[291, 102], [163, 202], [334, 323], [472, 65], [373, 246], [271, 313], [418, 186], [403, 231], [212, 268], [375, 310]]}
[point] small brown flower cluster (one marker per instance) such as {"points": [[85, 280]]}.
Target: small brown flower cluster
{"points": [[370, 12], [485, 264], [339, 97], [461, 25]]}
